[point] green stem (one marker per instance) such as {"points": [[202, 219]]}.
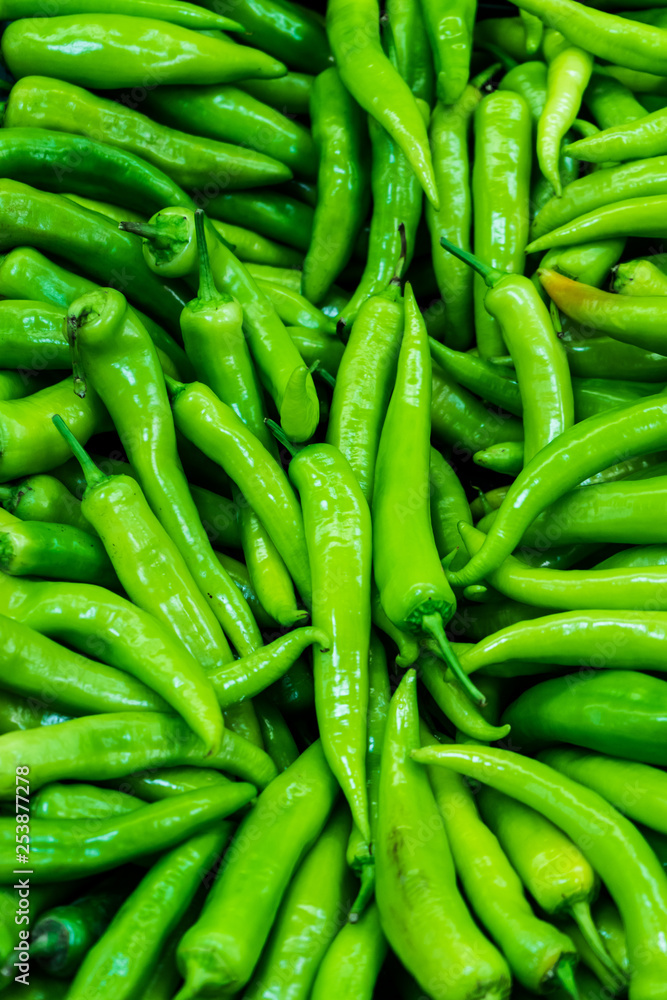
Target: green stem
{"points": [[490, 274], [281, 437], [434, 626], [327, 377], [365, 894], [583, 918], [94, 476], [207, 290], [480, 81], [174, 387], [565, 976]]}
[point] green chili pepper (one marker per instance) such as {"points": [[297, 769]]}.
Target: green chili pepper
{"points": [[536, 951], [413, 589], [173, 11], [450, 30], [19, 384], [189, 161], [397, 209], [31, 336], [422, 913], [633, 140], [62, 936], [18, 713], [449, 145], [279, 364], [612, 932], [636, 216], [252, 248], [41, 897], [354, 34], [500, 182], [81, 801], [529, 79], [313, 345], [637, 428], [229, 115], [104, 208], [351, 965], [602, 356], [55, 551], [622, 858], [311, 913], [407, 42], [635, 789], [342, 183], [295, 309], [461, 421], [113, 352], [539, 359], [278, 740], [569, 71], [222, 949], [408, 646], [504, 34], [276, 216], [44, 498], [238, 572], [640, 277], [610, 102], [449, 504], [166, 783], [553, 869], [30, 442], [451, 699], [288, 94]]}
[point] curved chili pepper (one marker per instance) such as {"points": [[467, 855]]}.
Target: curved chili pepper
{"points": [[570, 69], [550, 865], [539, 359], [603, 356], [535, 950], [450, 28], [41, 898], [452, 701], [188, 15], [529, 79], [449, 505], [38, 548], [638, 428], [633, 140], [223, 947], [44, 498], [638, 790], [641, 277], [81, 801], [352, 963], [622, 858], [342, 183], [272, 214], [636, 217], [422, 913], [277, 739], [610, 102], [252, 248], [505, 457], [406, 40], [500, 183], [229, 115], [293, 308], [413, 589]]}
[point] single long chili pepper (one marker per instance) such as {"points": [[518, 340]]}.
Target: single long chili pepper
{"points": [[406, 40], [639, 138], [113, 745], [637, 555], [164, 783], [422, 913], [459, 419], [188, 161], [449, 504], [87, 240], [338, 126], [288, 94], [500, 187], [540, 361], [635, 216], [18, 714], [229, 115], [44, 498], [451, 699], [278, 361], [580, 451], [638, 790], [112, 351], [252, 248], [413, 589], [537, 952], [645, 178], [354, 34], [484, 378], [569, 71], [30, 442], [448, 133], [610, 102], [550, 865], [640, 277], [114, 212], [450, 34], [352, 963], [42, 549], [587, 714], [293, 308], [637, 321], [95, 621], [364, 382], [217, 429], [268, 573], [530, 80], [32, 335], [19, 384], [612, 932], [113, 503], [238, 572], [223, 947], [622, 858], [604, 357], [276, 216], [397, 210], [534, 30], [63, 935], [82, 801], [173, 11], [276, 736]]}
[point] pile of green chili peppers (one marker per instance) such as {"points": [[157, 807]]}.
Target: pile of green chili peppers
{"points": [[333, 471]]}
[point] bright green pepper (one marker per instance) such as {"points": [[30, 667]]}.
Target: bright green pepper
{"points": [[450, 28], [350, 968], [44, 498], [82, 801], [54, 551]]}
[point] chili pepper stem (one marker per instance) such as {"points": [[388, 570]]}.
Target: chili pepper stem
{"points": [[207, 293], [490, 274], [162, 235], [94, 476], [434, 626], [581, 913], [174, 387], [487, 74], [565, 976], [281, 437], [365, 894]]}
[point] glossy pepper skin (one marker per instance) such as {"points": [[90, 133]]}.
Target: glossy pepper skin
{"points": [[622, 858], [278, 361], [570, 69], [114, 354], [308, 919], [339, 128], [500, 190], [413, 589], [133, 48], [129, 949], [449, 132], [539, 359], [44, 498], [635, 216], [222, 949], [453, 702], [288, 94], [633, 140], [31, 335], [353, 28], [636, 789], [275, 215], [42, 549], [174, 11], [408, 43], [81, 801], [610, 102], [586, 448], [353, 960], [189, 161], [450, 28], [422, 913], [534, 949]]}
